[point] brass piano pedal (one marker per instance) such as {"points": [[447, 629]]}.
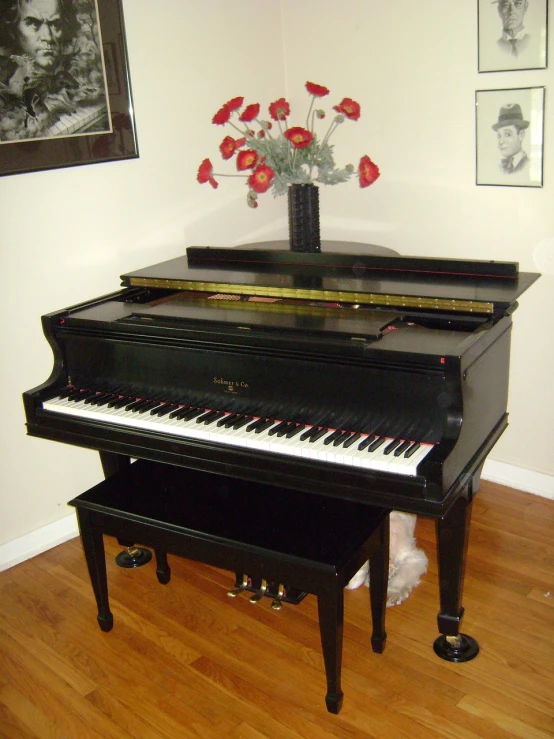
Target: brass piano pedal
{"points": [[240, 589], [261, 592], [277, 602]]}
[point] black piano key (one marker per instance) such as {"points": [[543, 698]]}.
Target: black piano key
{"points": [[288, 426], [148, 406], [227, 420], [411, 450], [93, 399], [402, 448], [392, 446], [163, 410], [307, 434], [376, 443], [255, 424], [66, 392], [366, 442], [278, 428], [318, 434], [340, 438], [268, 423], [118, 403], [298, 428], [133, 403], [104, 401], [144, 406], [242, 421], [352, 439], [208, 417], [187, 414], [331, 438]]}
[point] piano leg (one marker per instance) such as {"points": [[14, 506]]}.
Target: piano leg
{"points": [[133, 556], [93, 545], [452, 540], [112, 463]]}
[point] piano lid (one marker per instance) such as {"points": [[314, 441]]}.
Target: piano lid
{"points": [[351, 273]]}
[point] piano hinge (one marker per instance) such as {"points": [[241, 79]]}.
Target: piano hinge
{"points": [[357, 338], [244, 328], [337, 296]]}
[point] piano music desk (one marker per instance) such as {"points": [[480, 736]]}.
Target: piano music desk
{"points": [[243, 527]]}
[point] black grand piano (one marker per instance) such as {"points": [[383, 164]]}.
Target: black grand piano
{"points": [[353, 373]]}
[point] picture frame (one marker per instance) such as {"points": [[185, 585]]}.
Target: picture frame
{"points": [[509, 133], [80, 114], [512, 35]]}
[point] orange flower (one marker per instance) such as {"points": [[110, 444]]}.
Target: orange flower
{"points": [[205, 174], [260, 179], [350, 108], [368, 171], [246, 159], [299, 137], [229, 145], [318, 91], [250, 112], [222, 116], [279, 110], [234, 104]]}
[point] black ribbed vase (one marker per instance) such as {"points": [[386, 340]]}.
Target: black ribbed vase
{"points": [[304, 218]]}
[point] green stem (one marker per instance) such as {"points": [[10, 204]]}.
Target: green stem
{"points": [[308, 116]]}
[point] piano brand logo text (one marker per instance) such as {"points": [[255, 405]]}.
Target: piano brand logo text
{"points": [[232, 385]]}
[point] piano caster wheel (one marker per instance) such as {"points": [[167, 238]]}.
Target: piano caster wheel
{"points": [[133, 557], [459, 648]]}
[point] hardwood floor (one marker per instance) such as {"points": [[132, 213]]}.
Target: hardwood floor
{"points": [[183, 660]]}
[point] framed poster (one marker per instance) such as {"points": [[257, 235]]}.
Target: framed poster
{"points": [[509, 137], [65, 91], [512, 34]]}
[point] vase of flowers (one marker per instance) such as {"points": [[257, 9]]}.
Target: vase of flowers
{"points": [[271, 155]]}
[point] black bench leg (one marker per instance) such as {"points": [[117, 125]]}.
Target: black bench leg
{"points": [[163, 570], [93, 545], [378, 584], [330, 606]]}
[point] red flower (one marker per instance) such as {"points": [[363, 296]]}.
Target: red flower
{"points": [[222, 116], [205, 174], [368, 170], [234, 104], [318, 91], [260, 179], [229, 145], [299, 137], [246, 159], [350, 108], [250, 112], [279, 110]]}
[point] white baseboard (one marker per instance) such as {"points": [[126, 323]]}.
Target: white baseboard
{"points": [[66, 528], [521, 479], [38, 541]]}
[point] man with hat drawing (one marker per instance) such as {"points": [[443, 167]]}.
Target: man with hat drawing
{"points": [[510, 132]]}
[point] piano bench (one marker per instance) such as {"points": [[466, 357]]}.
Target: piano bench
{"points": [[243, 527]]}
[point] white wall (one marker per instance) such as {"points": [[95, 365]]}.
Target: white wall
{"points": [[67, 235]]}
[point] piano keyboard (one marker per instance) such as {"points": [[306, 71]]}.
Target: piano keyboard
{"points": [[333, 446]]}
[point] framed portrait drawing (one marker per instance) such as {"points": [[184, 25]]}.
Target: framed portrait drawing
{"points": [[65, 91], [509, 137], [512, 34]]}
